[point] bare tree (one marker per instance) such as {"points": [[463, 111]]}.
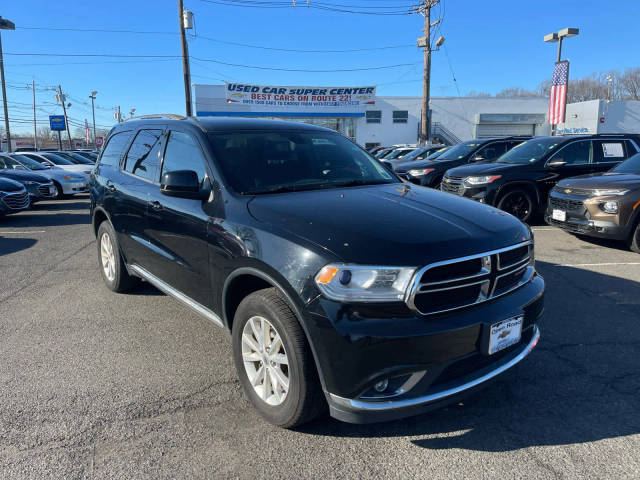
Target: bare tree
{"points": [[629, 84], [516, 92], [474, 93]]}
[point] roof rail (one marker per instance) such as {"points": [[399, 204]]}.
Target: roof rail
{"points": [[170, 116]]}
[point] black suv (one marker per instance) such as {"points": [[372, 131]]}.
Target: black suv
{"points": [[341, 286], [429, 173], [519, 182]]}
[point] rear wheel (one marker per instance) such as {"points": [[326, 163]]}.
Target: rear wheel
{"points": [[59, 194], [518, 203], [274, 361], [634, 239], [112, 267]]}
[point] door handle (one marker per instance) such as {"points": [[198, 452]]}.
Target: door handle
{"points": [[110, 186], [156, 205]]}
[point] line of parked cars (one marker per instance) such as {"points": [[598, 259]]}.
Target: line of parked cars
{"points": [[587, 185], [30, 176]]}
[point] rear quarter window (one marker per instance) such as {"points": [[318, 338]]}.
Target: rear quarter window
{"points": [[114, 150]]}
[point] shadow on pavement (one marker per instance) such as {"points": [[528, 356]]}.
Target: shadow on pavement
{"points": [[581, 384], [12, 245]]}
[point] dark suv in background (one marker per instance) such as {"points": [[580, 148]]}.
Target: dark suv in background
{"points": [[429, 173], [340, 285], [519, 182]]}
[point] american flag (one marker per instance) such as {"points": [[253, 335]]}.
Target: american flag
{"points": [[558, 98], [86, 131]]}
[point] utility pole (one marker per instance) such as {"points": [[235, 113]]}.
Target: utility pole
{"points": [[35, 130], [63, 98], [93, 113], [425, 121], [117, 115], [184, 16]]}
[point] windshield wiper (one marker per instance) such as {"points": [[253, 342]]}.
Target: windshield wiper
{"points": [[356, 183]]}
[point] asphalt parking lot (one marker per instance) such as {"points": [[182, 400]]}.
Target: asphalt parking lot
{"points": [[100, 385]]}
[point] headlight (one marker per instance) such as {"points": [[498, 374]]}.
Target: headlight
{"points": [[420, 172], [610, 191], [359, 283], [481, 180], [609, 207]]}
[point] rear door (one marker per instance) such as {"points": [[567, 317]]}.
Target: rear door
{"points": [[607, 153], [178, 226]]}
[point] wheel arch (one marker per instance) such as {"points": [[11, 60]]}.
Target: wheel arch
{"points": [[99, 216], [529, 186]]}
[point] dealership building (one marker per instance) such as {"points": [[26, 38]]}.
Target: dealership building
{"points": [[358, 113]]}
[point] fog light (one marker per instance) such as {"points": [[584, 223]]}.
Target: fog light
{"points": [[381, 386], [610, 207]]}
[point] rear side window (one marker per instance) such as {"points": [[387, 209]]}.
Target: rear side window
{"points": [[114, 151], [183, 153], [576, 153], [492, 151], [143, 157]]}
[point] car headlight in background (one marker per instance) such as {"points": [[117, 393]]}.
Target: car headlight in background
{"points": [[360, 283], [609, 191], [609, 207], [481, 180], [420, 172], [73, 178]]}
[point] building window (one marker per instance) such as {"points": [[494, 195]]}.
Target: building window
{"points": [[400, 116], [374, 116]]}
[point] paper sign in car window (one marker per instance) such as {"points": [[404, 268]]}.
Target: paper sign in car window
{"points": [[612, 150]]}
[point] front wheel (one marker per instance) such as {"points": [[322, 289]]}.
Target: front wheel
{"points": [[634, 239], [518, 203], [274, 361]]}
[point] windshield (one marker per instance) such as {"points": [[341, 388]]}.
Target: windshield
{"points": [[397, 154], [28, 162], [631, 165], [56, 159], [415, 154], [437, 153], [529, 151], [280, 161], [8, 163], [460, 151], [75, 158]]}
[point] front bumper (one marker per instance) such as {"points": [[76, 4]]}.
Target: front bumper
{"points": [[40, 191], [358, 346], [70, 188]]}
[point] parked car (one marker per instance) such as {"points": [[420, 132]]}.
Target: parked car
{"points": [[66, 183], [13, 196], [272, 230], [74, 157], [421, 153], [38, 186], [600, 205], [519, 182], [481, 150], [48, 158], [381, 153], [88, 155]]}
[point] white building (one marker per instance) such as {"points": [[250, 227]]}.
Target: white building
{"points": [[600, 116], [372, 120]]}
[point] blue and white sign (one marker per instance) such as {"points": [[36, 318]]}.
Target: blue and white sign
{"points": [[57, 123]]}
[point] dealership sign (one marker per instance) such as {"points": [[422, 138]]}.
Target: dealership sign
{"points": [[299, 98]]}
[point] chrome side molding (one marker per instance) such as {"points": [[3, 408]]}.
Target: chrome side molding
{"points": [[169, 290]]}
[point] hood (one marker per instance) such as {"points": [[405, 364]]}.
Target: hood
{"points": [[479, 168], [8, 185], [600, 180], [403, 167], [23, 175], [394, 224]]}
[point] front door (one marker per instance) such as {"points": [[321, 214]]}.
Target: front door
{"points": [[178, 226]]}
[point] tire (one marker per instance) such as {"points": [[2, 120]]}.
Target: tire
{"points": [[59, 193], [519, 203], [634, 239], [115, 274], [303, 399]]}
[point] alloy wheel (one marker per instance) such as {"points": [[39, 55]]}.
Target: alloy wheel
{"points": [[107, 256], [265, 360], [517, 204]]}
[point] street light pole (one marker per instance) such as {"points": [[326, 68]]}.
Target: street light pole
{"points": [[93, 113], [5, 25]]}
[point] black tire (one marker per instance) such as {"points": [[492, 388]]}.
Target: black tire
{"points": [[121, 280], [59, 194], [519, 203], [304, 400], [634, 238]]}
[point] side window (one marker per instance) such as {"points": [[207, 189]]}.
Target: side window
{"points": [[183, 153], [400, 116], [373, 116], [143, 157], [114, 150], [575, 153], [608, 151], [492, 151], [631, 148]]}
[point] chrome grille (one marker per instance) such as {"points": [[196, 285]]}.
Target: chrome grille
{"points": [[580, 192], [44, 190], [462, 282], [17, 201], [452, 185], [565, 203]]}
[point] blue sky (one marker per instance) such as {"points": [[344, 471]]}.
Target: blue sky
{"points": [[491, 45]]}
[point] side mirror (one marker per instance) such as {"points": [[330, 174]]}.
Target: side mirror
{"points": [[183, 184], [556, 163]]}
